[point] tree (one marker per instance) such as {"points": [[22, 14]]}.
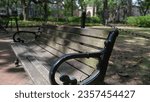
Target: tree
{"points": [[8, 4], [24, 9], [82, 4], [144, 6], [129, 6], [44, 4], [105, 12], [69, 7], [119, 9]]}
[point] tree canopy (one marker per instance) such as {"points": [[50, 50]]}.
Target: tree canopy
{"points": [[104, 8]]}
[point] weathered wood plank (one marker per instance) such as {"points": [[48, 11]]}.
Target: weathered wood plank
{"points": [[47, 59], [84, 31], [54, 55], [60, 49], [23, 55], [67, 38]]}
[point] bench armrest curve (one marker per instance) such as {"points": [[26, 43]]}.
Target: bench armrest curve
{"points": [[66, 57], [17, 39]]}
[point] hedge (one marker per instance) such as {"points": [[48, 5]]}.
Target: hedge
{"points": [[71, 19], [141, 21]]}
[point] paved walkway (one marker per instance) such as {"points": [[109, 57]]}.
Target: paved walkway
{"points": [[9, 73]]}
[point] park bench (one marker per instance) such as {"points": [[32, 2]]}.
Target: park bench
{"points": [[65, 55]]}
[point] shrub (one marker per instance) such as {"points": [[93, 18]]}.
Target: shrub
{"points": [[131, 20], [74, 19], [71, 20], [141, 21], [94, 19], [36, 19], [52, 19], [3, 21], [61, 19], [88, 19]]}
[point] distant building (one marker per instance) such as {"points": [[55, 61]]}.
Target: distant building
{"points": [[91, 11]]}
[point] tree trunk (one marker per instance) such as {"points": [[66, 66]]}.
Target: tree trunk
{"points": [[45, 11], [94, 10], [72, 8], [129, 8], [24, 7], [105, 12], [118, 14]]}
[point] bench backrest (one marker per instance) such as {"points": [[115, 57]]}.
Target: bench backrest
{"points": [[65, 40]]}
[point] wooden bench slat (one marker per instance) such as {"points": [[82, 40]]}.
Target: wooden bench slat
{"points": [[34, 74], [82, 41], [39, 66], [57, 54], [86, 31], [70, 46], [89, 62], [42, 54]]}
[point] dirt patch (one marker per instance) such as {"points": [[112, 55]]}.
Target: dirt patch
{"points": [[130, 61]]}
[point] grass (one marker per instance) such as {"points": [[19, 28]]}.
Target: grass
{"points": [[139, 30], [38, 23]]}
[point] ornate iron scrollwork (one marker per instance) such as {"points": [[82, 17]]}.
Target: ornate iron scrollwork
{"points": [[17, 36]]}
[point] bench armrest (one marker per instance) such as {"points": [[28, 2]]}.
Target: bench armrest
{"points": [[66, 57], [17, 36]]}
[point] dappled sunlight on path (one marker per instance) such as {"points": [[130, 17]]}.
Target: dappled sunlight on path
{"points": [[9, 73]]}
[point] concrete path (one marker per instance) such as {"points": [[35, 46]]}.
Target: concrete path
{"points": [[9, 73]]}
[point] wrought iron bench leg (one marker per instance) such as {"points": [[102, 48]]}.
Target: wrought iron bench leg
{"points": [[17, 62]]}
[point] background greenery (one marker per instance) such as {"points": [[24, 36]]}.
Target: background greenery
{"points": [[141, 21], [62, 11]]}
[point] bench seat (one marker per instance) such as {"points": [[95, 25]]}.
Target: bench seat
{"points": [[37, 72]]}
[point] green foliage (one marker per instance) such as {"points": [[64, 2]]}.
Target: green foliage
{"points": [[74, 19], [131, 20], [144, 6], [28, 23], [88, 19], [94, 19], [52, 19], [4, 21], [71, 19], [141, 21], [36, 19]]}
